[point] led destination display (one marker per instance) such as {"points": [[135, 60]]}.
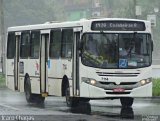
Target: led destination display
{"points": [[118, 26]]}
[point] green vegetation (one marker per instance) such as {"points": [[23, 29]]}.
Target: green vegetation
{"points": [[2, 80], [156, 87]]}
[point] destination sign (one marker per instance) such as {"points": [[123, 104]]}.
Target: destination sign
{"points": [[118, 25]]}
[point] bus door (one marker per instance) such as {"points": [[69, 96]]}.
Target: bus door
{"points": [[77, 33], [16, 61], [44, 62]]}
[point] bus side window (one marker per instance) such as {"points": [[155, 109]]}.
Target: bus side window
{"points": [[11, 45], [67, 42], [25, 44], [34, 44], [55, 44]]}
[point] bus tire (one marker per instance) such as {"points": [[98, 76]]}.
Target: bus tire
{"points": [[27, 89], [126, 101], [70, 101], [39, 99], [86, 100], [30, 97]]}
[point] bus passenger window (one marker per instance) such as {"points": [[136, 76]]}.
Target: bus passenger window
{"points": [[55, 44], [24, 49], [67, 41], [35, 43], [11, 45]]}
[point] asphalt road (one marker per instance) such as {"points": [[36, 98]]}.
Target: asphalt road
{"points": [[13, 106]]}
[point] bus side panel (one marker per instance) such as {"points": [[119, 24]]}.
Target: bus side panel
{"points": [[54, 86], [84, 90], [10, 82], [34, 73], [35, 85], [69, 73], [21, 81], [31, 67], [10, 74], [55, 74]]}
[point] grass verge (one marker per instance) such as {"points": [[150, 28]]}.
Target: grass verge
{"points": [[156, 87], [2, 80]]}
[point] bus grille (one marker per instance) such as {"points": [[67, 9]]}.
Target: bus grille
{"points": [[117, 93], [117, 74], [122, 83], [113, 85]]}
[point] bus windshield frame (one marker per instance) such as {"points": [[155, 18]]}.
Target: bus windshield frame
{"points": [[116, 50]]}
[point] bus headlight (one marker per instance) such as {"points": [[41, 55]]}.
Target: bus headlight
{"points": [[89, 81], [145, 81], [93, 82]]}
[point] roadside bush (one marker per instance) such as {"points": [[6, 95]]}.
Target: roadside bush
{"points": [[2, 80], [156, 87]]}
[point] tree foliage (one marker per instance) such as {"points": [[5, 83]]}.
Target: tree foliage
{"points": [[22, 12]]}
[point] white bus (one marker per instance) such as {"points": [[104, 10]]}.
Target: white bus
{"points": [[82, 60]]}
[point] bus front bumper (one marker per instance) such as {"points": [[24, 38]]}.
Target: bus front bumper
{"points": [[97, 92]]}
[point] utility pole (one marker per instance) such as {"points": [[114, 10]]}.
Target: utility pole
{"points": [[135, 4], [2, 38], [91, 8]]}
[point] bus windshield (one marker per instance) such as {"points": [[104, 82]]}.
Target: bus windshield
{"points": [[117, 50]]}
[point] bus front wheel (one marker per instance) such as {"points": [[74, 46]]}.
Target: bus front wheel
{"points": [[70, 101], [126, 101]]}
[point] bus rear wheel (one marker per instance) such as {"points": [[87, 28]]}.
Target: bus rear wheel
{"points": [[126, 101], [27, 89], [30, 97]]}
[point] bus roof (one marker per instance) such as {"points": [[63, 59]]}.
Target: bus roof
{"points": [[55, 24]]}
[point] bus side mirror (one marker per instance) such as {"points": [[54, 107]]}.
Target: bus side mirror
{"points": [[80, 47]]}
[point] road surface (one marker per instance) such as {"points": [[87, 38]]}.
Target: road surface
{"points": [[13, 106]]}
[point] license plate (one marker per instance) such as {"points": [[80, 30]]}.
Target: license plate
{"points": [[118, 90]]}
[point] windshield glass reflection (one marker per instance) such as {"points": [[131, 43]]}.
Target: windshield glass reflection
{"points": [[116, 50]]}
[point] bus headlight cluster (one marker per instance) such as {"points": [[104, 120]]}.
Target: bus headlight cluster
{"points": [[145, 81], [93, 82], [89, 81]]}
